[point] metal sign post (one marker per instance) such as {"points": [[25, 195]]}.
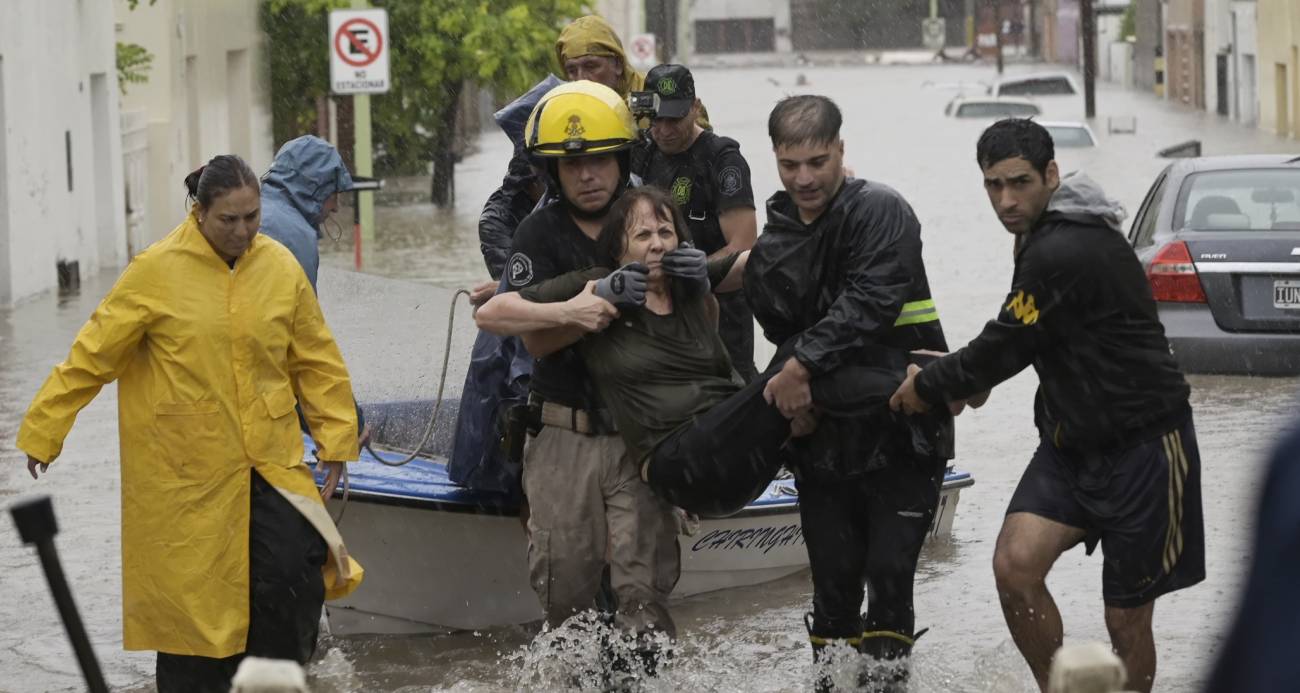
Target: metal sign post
{"points": [[35, 521], [360, 185], [359, 47]]}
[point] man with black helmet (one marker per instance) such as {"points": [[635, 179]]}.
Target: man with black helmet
{"points": [[586, 497], [708, 180]]}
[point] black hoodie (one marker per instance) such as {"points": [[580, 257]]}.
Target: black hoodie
{"points": [[1081, 312]]}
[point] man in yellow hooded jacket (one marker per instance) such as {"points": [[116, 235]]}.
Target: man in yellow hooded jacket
{"points": [[213, 333], [589, 49]]}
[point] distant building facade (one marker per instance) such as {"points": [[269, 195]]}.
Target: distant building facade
{"points": [[61, 188], [1278, 32], [207, 94]]}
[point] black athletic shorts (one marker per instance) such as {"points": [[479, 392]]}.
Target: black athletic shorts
{"points": [[1142, 503]]}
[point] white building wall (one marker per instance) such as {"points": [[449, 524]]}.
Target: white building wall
{"points": [[626, 16], [778, 10], [58, 108], [208, 93]]}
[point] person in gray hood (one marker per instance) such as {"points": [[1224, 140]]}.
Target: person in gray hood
{"points": [[1117, 461], [299, 193]]}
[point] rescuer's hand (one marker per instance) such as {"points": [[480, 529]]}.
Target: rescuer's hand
{"points": [[691, 268], [625, 286], [333, 472], [481, 293], [33, 463], [589, 312], [905, 398], [789, 390]]}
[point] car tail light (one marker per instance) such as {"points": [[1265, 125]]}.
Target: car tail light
{"points": [[1173, 276]]}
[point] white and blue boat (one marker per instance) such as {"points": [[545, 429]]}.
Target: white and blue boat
{"points": [[440, 557]]}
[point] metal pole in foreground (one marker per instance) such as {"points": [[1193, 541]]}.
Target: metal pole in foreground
{"points": [[1089, 28], [36, 525], [360, 184]]}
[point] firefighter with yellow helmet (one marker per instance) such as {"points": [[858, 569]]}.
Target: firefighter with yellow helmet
{"points": [[588, 503]]}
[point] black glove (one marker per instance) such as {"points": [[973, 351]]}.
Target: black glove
{"points": [[691, 268], [625, 286]]}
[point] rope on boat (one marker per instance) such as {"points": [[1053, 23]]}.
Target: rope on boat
{"points": [[437, 405]]}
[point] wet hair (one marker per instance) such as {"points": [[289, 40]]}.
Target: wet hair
{"points": [[804, 119], [219, 176], [612, 241], [1016, 137]]}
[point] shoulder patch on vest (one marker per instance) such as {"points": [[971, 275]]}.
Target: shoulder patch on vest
{"points": [[730, 180], [520, 270]]}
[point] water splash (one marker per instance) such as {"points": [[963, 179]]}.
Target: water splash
{"points": [[586, 653]]}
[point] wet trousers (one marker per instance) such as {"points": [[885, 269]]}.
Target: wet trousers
{"points": [[588, 506], [286, 592], [864, 534], [728, 455]]}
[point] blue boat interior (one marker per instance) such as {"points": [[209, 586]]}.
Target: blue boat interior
{"points": [[398, 427]]}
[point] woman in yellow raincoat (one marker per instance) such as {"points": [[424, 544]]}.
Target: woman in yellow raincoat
{"points": [[213, 333]]}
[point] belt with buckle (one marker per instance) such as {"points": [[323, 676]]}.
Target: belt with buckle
{"points": [[577, 420]]}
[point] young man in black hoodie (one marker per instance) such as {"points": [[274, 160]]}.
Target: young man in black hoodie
{"points": [[1117, 461], [836, 275]]}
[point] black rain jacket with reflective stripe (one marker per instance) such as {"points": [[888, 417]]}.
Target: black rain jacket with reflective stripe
{"points": [[832, 292]]}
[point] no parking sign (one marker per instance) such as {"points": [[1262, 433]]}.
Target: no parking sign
{"points": [[359, 51], [641, 51]]}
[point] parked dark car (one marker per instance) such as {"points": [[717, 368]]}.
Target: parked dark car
{"points": [[1220, 240]]}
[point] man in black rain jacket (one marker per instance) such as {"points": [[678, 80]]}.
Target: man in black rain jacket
{"points": [[837, 273], [1117, 460]]}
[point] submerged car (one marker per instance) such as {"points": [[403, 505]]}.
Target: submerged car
{"points": [[1037, 84], [1219, 238], [1068, 134], [984, 107]]}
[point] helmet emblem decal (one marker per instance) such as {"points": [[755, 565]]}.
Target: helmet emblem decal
{"points": [[575, 129]]}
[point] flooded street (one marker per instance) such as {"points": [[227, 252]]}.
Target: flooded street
{"points": [[750, 639]]}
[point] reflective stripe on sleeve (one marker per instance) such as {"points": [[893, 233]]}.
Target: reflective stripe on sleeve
{"points": [[916, 312]]}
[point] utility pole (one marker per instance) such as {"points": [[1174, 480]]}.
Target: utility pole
{"points": [[996, 8], [1032, 29], [1089, 58], [685, 33], [363, 162]]}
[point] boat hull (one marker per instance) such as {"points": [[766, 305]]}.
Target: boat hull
{"points": [[436, 567]]}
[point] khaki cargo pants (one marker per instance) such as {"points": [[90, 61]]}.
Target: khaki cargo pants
{"points": [[587, 503]]}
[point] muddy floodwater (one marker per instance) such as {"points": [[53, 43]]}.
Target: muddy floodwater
{"points": [[752, 639]]}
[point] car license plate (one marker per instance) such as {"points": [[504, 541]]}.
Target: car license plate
{"points": [[1286, 294]]}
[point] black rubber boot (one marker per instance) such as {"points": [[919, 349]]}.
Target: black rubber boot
{"points": [[887, 666], [821, 649]]}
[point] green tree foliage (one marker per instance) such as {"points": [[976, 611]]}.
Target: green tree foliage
{"points": [[133, 60], [437, 47], [133, 63], [1128, 25]]}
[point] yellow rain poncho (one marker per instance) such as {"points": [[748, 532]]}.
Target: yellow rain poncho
{"points": [[592, 35], [209, 362]]}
